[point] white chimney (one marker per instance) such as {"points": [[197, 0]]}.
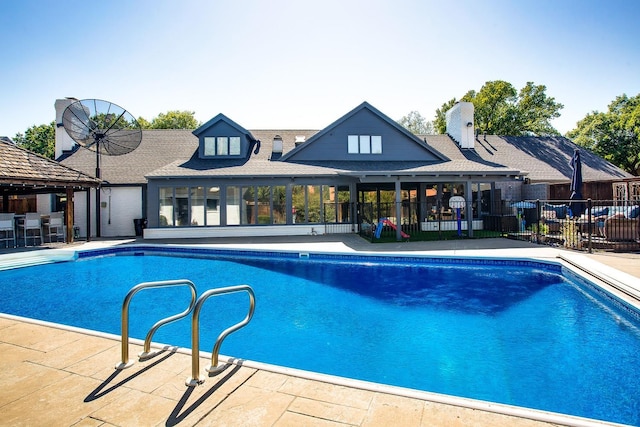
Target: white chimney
{"points": [[63, 141], [460, 124], [276, 148], [277, 145]]}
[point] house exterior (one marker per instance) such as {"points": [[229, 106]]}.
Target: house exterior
{"points": [[224, 180]]}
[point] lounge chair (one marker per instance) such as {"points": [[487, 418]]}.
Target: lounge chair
{"points": [[620, 229]]}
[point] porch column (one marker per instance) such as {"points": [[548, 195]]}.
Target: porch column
{"points": [[89, 214], [468, 191], [398, 211], [422, 199], [289, 203], [356, 221]]}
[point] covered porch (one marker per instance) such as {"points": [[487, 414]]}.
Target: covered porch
{"points": [[410, 203], [26, 175]]}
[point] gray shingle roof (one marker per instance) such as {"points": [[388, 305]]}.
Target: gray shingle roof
{"points": [[20, 166], [157, 149], [164, 153], [543, 159]]}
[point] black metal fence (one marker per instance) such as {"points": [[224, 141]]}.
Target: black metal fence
{"points": [[583, 224], [380, 220], [416, 221]]}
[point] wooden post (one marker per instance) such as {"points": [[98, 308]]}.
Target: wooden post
{"points": [[68, 217]]}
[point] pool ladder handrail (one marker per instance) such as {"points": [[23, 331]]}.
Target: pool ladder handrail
{"points": [[195, 378], [125, 362]]}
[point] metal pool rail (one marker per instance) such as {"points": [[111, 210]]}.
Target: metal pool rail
{"points": [[195, 332], [125, 362]]}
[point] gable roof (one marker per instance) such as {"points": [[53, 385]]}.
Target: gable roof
{"points": [[174, 154], [379, 115], [24, 171], [222, 118]]}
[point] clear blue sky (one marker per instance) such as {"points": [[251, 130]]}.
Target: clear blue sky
{"points": [[301, 64]]}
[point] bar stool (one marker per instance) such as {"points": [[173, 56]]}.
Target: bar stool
{"points": [[54, 226], [31, 221], [7, 225]]}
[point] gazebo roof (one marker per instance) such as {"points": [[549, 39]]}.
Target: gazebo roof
{"points": [[25, 172]]}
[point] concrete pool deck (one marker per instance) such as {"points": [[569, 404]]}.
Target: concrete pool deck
{"points": [[59, 376]]}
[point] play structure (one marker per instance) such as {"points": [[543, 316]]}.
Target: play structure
{"points": [[385, 221]]}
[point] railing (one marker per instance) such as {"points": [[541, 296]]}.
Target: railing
{"points": [[195, 378], [579, 224], [414, 219], [125, 362], [611, 225]]}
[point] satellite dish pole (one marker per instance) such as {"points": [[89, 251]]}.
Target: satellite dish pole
{"points": [[105, 128]]}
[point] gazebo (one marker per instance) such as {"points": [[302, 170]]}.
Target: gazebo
{"points": [[23, 172]]}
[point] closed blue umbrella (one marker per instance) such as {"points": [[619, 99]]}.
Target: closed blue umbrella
{"points": [[577, 206]]}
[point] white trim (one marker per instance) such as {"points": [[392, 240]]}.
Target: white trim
{"points": [[449, 225], [245, 231]]}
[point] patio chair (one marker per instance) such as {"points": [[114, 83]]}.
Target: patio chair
{"points": [[7, 225], [31, 222], [54, 226]]}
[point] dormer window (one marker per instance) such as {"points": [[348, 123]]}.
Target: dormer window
{"points": [[221, 146], [364, 144]]}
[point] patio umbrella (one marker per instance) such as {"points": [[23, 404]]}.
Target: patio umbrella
{"points": [[577, 206]]}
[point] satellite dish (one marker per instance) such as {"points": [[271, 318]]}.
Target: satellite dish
{"points": [[103, 127]]}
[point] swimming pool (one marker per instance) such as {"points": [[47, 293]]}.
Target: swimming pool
{"points": [[519, 332]]}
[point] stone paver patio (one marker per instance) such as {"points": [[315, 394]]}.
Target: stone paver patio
{"points": [[56, 377]]}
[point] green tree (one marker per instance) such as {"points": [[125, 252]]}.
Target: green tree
{"points": [[501, 110], [614, 135], [537, 110], [440, 122], [495, 108], [144, 124], [416, 124], [175, 120], [39, 139]]}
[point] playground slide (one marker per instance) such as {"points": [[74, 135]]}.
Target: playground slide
{"points": [[385, 221]]}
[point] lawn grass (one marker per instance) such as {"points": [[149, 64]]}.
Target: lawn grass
{"points": [[428, 236]]}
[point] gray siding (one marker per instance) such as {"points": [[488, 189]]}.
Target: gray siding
{"points": [[332, 145], [223, 128]]}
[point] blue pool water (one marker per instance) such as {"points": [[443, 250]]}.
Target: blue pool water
{"points": [[513, 332]]}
